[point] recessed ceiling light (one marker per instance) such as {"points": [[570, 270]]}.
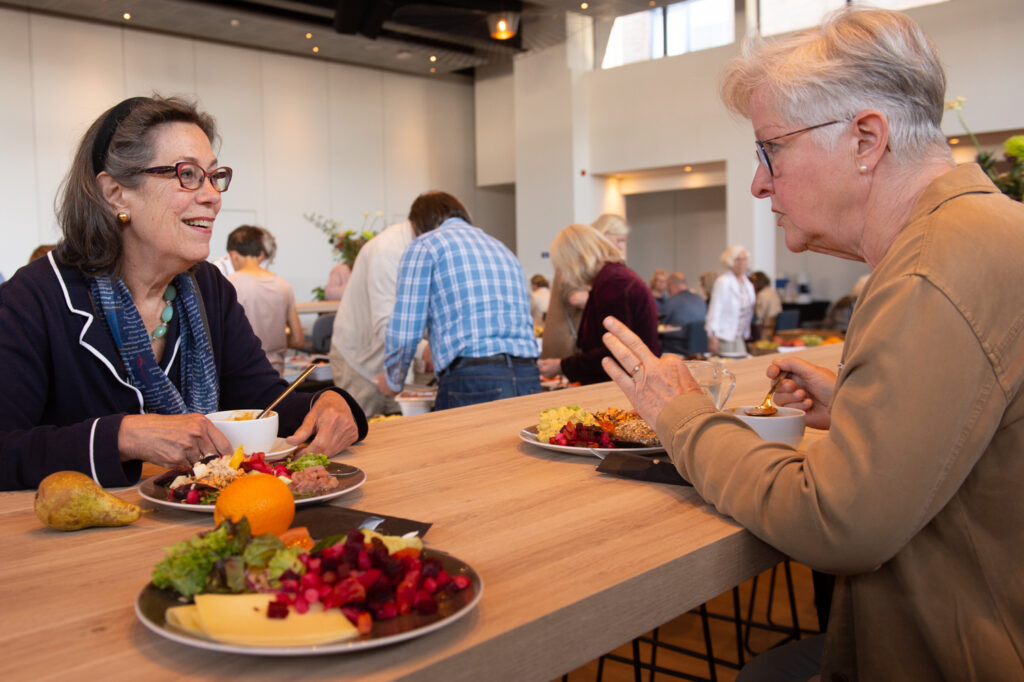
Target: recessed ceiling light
{"points": [[584, 5], [687, 169], [235, 22], [309, 36], [316, 49], [955, 140], [127, 16], [433, 57]]}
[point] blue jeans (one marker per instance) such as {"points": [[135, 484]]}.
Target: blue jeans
{"points": [[474, 384]]}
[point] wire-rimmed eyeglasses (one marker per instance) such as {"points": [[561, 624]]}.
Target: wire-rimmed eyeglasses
{"points": [[762, 149], [191, 175]]}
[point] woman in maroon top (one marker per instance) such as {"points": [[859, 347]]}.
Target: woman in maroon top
{"points": [[585, 258]]}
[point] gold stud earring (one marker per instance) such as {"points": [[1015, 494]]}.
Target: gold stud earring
{"points": [[122, 217], [863, 170]]}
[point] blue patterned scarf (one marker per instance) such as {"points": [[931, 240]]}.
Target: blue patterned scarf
{"points": [[200, 387]]}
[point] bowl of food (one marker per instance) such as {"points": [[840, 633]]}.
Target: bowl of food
{"points": [[785, 426], [241, 427], [415, 402]]}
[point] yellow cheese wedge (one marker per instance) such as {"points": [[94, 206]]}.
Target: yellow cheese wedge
{"points": [[242, 619], [185, 618], [394, 542]]}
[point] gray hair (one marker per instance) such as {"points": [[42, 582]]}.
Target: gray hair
{"points": [[856, 59], [730, 255]]}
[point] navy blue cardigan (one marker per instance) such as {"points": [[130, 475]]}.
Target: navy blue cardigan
{"points": [[64, 388]]}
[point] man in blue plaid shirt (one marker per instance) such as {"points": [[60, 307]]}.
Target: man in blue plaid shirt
{"points": [[466, 291]]}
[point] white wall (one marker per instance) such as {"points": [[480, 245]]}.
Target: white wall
{"points": [[302, 135]]}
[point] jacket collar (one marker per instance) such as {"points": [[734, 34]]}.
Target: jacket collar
{"points": [[94, 337]]}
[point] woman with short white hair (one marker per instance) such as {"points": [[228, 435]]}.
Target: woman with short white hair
{"points": [[913, 497], [732, 305]]}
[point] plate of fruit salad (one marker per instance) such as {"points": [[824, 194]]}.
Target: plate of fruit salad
{"points": [[312, 478], [227, 590], [577, 431]]}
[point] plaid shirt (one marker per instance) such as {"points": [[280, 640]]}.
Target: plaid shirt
{"points": [[467, 292]]}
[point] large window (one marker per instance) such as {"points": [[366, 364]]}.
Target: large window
{"points": [[677, 28], [698, 25], [634, 38], [782, 16]]}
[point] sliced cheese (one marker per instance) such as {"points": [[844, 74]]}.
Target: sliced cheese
{"points": [[242, 619], [185, 618], [394, 542]]}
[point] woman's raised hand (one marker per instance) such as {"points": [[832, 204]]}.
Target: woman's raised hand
{"points": [[648, 381]]}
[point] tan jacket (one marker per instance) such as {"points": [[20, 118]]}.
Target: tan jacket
{"points": [[916, 497]]}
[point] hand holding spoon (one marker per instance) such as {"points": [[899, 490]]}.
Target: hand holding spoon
{"points": [[767, 408]]}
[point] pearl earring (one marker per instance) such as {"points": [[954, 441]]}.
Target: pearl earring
{"points": [[863, 169], [122, 217]]}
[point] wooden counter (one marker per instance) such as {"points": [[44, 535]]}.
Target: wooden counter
{"points": [[573, 562]]}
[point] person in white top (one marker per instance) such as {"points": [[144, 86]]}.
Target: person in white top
{"points": [[732, 305], [357, 342], [268, 299]]}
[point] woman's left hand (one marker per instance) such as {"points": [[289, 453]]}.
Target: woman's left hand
{"points": [[549, 367], [331, 422], [651, 382]]}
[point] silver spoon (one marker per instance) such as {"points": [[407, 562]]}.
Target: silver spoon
{"points": [[291, 387], [767, 407]]}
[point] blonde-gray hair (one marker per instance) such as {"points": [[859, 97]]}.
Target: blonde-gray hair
{"points": [[857, 59], [579, 252], [609, 223], [730, 255]]}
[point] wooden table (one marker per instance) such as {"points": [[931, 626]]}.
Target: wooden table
{"points": [[316, 307], [573, 562]]}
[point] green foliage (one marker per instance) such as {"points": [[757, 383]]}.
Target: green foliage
{"points": [[347, 244]]}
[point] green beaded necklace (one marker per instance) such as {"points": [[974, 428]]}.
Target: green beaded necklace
{"points": [[170, 293]]}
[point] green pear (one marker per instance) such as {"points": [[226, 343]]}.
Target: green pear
{"points": [[70, 500]]}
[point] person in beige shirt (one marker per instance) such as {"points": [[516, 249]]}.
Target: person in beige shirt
{"points": [[913, 499], [268, 299]]}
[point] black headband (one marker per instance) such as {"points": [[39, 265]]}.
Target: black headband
{"points": [[113, 119]]}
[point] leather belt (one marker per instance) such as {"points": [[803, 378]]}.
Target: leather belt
{"points": [[499, 359]]}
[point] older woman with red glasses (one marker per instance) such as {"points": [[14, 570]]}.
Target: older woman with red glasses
{"points": [[117, 343]]}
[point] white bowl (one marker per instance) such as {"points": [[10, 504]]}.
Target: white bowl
{"points": [[241, 427], [785, 426], [415, 402]]}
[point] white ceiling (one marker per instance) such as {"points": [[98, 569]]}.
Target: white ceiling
{"points": [[417, 30]]}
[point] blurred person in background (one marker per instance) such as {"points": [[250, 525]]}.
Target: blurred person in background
{"points": [[659, 287], [682, 308], [540, 298], [268, 299], [360, 326], [767, 306], [565, 310], [840, 312], [588, 260], [913, 497], [731, 307], [41, 251], [466, 292]]}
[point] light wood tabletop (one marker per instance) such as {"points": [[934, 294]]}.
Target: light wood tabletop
{"points": [[573, 562], [316, 307]]}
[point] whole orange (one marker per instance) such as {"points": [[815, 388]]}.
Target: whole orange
{"points": [[264, 499]]}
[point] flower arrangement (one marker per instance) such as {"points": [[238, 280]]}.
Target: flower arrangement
{"points": [[346, 244], [1009, 182]]}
